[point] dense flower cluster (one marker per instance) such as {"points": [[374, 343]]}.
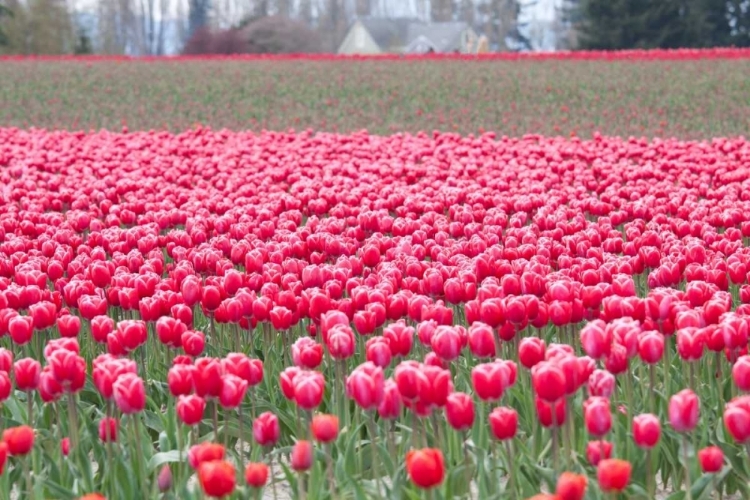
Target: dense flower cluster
{"points": [[311, 285]]}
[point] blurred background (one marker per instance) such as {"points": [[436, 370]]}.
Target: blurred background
{"points": [[170, 27]]}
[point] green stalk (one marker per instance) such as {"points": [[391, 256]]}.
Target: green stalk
{"points": [[138, 451]]}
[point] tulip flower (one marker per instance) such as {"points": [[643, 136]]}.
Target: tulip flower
{"points": [[19, 439], [613, 474], [571, 486], [256, 474], [426, 467], [711, 459], [217, 478], [459, 411]]}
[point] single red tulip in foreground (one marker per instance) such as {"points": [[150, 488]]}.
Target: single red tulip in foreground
{"points": [[426, 467]]}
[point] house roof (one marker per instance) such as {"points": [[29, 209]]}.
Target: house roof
{"points": [[397, 33], [445, 37], [388, 33]]}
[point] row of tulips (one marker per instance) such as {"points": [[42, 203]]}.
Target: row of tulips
{"points": [[372, 317]]}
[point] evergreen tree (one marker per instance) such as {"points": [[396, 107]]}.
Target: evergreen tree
{"points": [[646, 24]]}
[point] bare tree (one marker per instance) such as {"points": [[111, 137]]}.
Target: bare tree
{"points": [[441, 10], [466, 11], [363, 8], [197, 14]]}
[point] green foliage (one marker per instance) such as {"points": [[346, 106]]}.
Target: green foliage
{"points": [[645, 24]]}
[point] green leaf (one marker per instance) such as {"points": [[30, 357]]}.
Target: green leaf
{"points": [[161, 458]]}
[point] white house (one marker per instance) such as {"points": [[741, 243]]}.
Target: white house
{"points": [[407, 36]]}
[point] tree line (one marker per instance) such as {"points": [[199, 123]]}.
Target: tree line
{"points": [[156, 27], [667, 24]]}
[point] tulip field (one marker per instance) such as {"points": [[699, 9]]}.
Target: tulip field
{"points": [[215, 312]]}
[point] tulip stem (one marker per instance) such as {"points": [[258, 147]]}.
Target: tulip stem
{"points": [[179, 453], [273, 476], [241, 427], [329, 471], [72, 420], [215, 418], [687, 467], [27, 475], [374, 448], [555, 458], [650, 486], [651, 383], [511, 469], [138, 451]]}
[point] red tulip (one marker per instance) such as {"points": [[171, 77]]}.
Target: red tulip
{"points": [[531, 351], [208, 377], [548, 417], [193, 342], [571, 486], [737, 418], [549, 381], [409, 378], [180, 379], [601, 383], [482, 340], [43, 315], [164, 479], [5, 386], [340, 341], [446, 342], [399, 337], [378, 351], [613, 474], [210, 298], [65, 446], [190, 409], [597, 416], [232, 391], [302, 456], [256, 474], [169, 331], [711, 459], [487, 380], [108, 429], [426, 467], [503, 423], [27, 371], [684, 409], [101, 326], [596, 451], [390, 407], [325, 428], [365, 385], [281, 318], [21, 329], [596, 339], [248, 369], [690, 343], [6, 360], [68, 368], [651, 347], [459, 411], [646, 430], [308, 389], [68, 325], [306, 353], [741, 373], [20, 440], [205, 452], [266, 429], [129, 393], [217, 478]]}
